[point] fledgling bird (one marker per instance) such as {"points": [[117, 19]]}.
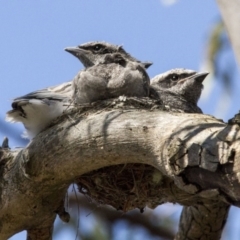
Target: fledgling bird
{"points": [[112, 77], [92, 53], [37, 110], [179, 89]]}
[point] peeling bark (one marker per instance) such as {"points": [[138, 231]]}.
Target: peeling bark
{"points": [[197, 155]]}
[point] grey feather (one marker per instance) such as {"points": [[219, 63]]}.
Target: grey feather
{"points": [[37, 110], [113, 77]]}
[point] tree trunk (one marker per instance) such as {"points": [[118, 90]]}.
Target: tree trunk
{"points": [[203, 221]]}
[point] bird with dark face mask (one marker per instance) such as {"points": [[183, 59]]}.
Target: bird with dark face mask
{"points": [[178, 89], [36, 110], [92, 53], [112, 77]]}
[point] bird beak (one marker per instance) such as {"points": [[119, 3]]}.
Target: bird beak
{"points": [[200, 76], [197, 77], [147, 64], [75, 51]]}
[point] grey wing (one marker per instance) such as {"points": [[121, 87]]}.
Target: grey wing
{"points": [[58, 92], [91, 79], [129, 81], [88, 86]]}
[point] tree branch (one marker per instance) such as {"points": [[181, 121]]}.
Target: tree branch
{"points": [[203, 221], [196, 155]]}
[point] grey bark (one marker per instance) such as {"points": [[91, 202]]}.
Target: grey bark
{"points": [[197, 156], [203, 221]]}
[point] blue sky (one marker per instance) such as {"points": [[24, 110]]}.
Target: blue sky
{"points": [[34, 34]]}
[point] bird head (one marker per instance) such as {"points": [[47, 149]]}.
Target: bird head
{"points": [[92, 53], [191, 87], [185, 82], [172, 77]]}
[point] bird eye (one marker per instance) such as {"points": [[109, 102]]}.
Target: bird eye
{"points": [[97, 47], [174, 77], [122, 62]]}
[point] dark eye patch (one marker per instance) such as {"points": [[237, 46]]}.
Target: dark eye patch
{"points": [[97, 47], [100, 49], [184, 76], [174, 77]]}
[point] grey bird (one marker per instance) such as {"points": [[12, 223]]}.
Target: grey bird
{"points": [[36, 110], [92, 53], [112, 77], [179, 89]]}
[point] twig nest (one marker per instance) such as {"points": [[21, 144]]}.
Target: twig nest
{"points": [[125, 187]]}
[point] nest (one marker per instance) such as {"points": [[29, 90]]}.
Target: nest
{"points": [[128, 186], [124, 187]]}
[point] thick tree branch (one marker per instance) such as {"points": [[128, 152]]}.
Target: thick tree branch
{"points": [[197, 157], [231, 17], [203, 221]]}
